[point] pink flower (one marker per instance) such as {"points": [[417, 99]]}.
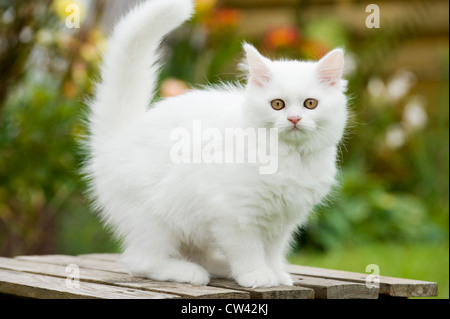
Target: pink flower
{"points": [[173, 87]]}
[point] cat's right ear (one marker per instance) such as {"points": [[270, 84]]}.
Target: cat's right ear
{"points": [[330, 67], [257, 66]]}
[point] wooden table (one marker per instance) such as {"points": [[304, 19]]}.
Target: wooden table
{"points": [[102, 276]]}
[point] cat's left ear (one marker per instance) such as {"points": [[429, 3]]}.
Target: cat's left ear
{"points": [[330, 68], [258, 66]]}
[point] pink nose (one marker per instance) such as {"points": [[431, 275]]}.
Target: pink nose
{"points": [[294, 119]]}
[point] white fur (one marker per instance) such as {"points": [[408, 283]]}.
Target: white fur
{"points": [[187, 222]]}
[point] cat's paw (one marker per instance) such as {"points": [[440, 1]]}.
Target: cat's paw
{"points": [[190, 273], [258, 278], [284, 278], [178, 271]]}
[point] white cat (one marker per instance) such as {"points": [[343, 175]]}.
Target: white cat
{"points": [[187, 222]]}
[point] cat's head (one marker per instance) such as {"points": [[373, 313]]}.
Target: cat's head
{"points": [[305, 101]]}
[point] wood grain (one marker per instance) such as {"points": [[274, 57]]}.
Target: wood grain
{"points": [[48, 287], [336, 289], [102, 276], [397, 287], [279, 292], [58, 269]]}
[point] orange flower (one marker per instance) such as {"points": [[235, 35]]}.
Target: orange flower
{"points": [[227, 18], [222, 19], [314, 49], [281, 37]]}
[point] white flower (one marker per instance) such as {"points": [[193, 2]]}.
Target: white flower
{"points": [[376, 87], [350, 64], [395, 136], [400, 84], [414, 116]]}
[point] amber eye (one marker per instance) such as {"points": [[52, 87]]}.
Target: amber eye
{"points": [[311, 103], [277, 104]]}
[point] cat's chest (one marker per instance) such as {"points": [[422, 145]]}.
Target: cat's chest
{"points": [[300, 183]]}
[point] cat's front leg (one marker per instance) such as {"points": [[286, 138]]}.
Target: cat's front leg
{"points": [[275, 254], [246, 256]]}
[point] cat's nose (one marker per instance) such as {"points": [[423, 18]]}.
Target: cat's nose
{"points": [[294, 119]]}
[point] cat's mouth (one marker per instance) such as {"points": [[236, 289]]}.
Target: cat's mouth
{"points": [[295, 131], [295, 128]]}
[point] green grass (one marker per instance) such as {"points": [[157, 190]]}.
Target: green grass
{"points": [[429, 262]]}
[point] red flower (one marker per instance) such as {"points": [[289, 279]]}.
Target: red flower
{"points": [[222, 18], [281, 37]]}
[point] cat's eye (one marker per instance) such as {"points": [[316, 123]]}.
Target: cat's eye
{"points": [[311, 103], [277, 104]]}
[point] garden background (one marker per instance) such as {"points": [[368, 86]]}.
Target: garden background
{"points": [[392, 207]]}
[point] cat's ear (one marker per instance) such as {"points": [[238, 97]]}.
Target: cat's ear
{"points": [[257, 66], [330, 68]]}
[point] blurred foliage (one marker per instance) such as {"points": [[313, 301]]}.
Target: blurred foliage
{"points": [[15, 42], [37, 168], [207, 50], [39, 180], [394, 161]]}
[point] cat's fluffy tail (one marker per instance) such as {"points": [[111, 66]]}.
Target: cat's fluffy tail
{"points": [[129, 72]]}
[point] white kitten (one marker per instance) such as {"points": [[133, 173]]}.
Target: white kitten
{"points": [[187, 222]]}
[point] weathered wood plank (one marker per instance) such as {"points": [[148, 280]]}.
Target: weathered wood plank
{"points": [[101, 256], [279, 292], [48, 287], [58, 268], [396, 287], [309, 281], [230, 288], [283, 292], [335, 289], [81, 262], [186, 291]]}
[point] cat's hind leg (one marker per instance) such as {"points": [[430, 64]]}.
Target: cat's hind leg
{"points": [[153, 253], [214, 262]]}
